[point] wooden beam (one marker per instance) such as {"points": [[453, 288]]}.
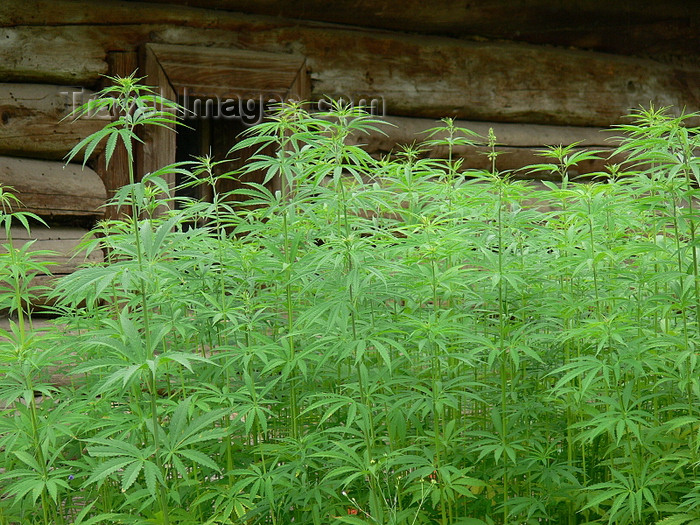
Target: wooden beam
{"points": [[64, 243], [31, 122], [514, 161], [300, 89], [50, 188], [640, 27], [405, 130], [209, 60], [518, 145], [227, 73], [67, 254], [418, 76], [30, 54]]}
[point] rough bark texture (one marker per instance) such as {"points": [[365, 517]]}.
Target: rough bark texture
{"points": [[415, 75], [518, 145], [226, 72], [66, 254], [405, 130], [643, 26], [62, 241], [31, 120], [53, 189]]}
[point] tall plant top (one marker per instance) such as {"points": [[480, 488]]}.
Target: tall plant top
{"points": [[394, 341]]}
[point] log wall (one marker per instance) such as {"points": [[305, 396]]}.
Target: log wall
{"points": [[518, 145], [64, 244], [642, 26], [52, 189], [424, 76], [33, 120], [532, 95]]}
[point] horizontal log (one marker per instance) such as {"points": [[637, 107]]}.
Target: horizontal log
{"points": [[74, 12], [227, 73], [63, 243], [516, 161], [420, 76], [66, 255], [50, 188], [647, 26], [33, 54], [31, 120], [39, 325], [57, 374], [405, 130], [518, 145]]}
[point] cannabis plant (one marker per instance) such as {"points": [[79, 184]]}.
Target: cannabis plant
{"points": [[396, 340]]}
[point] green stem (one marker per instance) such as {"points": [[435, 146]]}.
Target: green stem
{"points": [[152, 383], [502, 350]]}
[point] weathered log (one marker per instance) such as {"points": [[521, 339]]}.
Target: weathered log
{"points": [[50, 188], [420, 76], [65, 255], [32, 54], [517, 145], [405, 130], [39, 325], [63, 243], [515, 161], [33, 123], [647, 26], [228, 73]]}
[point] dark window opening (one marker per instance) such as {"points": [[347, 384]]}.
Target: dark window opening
{"points": [[212, 130]]}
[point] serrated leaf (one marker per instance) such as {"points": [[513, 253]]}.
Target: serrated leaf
{"points": [[199, 457], [28, 460], [130, 474], [105, 469]]}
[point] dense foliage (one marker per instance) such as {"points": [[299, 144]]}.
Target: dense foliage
{"points": [[382, 341]]}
